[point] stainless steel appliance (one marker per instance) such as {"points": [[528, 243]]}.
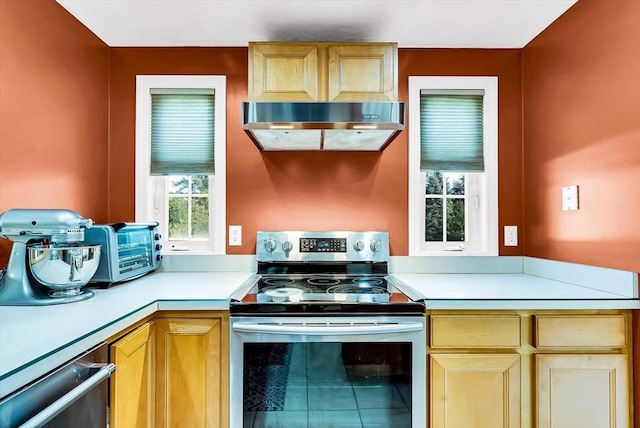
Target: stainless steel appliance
{"points": [[351, 126], [74, 395], [324, 335], [129, 251], [48, 264]]}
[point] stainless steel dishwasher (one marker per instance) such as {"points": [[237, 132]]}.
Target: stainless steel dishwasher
{"points": [[73, 395]]}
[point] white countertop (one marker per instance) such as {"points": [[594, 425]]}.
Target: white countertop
{"points": [[35, 340], [509, 291]]}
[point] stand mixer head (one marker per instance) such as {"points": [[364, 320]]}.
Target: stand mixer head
{"points": [[47, 265]]}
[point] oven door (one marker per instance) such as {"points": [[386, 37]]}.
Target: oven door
{"points": [[328, 371]]}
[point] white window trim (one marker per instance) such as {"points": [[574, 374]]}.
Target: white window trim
{"points": [[144, 202], [490, 185]]}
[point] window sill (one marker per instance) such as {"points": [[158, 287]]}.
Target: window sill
{"points": [[465, 253], [190, 253]]}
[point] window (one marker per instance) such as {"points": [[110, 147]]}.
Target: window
{"points": [[453, 191], [180, 159]]}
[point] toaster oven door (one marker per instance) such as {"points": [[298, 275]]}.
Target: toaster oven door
{"points": [[129, 250], [135, 250]]}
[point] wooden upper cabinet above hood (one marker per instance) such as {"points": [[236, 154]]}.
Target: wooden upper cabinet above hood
{"points": [[323, 71]]}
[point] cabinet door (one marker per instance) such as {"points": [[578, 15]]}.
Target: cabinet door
{"points": [[189, 373], [132, 390], [587, 391], [362, 72], [475, 390], [283, 72]]}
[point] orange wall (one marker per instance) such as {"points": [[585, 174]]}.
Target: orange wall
{"points": [[57, 127], [313, 190], [54, 78], [581, 92]]}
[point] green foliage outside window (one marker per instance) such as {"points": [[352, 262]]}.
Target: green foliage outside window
{"points": [[441, 188], [189, 207]]}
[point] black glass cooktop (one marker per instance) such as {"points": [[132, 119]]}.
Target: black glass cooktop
{"points": [[325, 294], [323, 288]]}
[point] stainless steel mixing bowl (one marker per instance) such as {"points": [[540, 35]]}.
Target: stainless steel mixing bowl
{"points": [[63, 269]]}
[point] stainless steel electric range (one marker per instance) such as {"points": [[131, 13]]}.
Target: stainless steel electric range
{"points": [[324, 336]]}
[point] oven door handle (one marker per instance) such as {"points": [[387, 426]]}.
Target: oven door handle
{"points": [[70, 397], [318, 329]]}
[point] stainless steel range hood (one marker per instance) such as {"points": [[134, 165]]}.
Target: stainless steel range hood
{"points": [[330, 126]]}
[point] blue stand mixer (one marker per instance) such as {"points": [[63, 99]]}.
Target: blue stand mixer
{"points": [[49, 263]]}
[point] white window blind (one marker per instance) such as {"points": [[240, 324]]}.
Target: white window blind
{"points": [[182, 133], [451, 130]]}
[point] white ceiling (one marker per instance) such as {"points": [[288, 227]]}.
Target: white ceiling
{"points": [[410, 23]]}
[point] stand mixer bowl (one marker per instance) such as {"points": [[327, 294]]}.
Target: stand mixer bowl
{"points": [[64, 270]]}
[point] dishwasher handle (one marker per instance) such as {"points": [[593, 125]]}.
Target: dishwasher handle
{"points": [[70, 397], [318, 329]]}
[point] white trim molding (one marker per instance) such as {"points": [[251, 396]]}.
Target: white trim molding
{"points": [[149, 188], [487, 233]]}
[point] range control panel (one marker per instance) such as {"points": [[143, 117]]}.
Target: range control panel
{"points": [[317, 245], [322, 246]]}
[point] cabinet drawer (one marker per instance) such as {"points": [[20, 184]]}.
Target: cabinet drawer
{"points": [[581, 331], [475, 331]]}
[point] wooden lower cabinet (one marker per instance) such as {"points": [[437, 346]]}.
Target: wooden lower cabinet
{"points": [[475, 390], [177, 377], [587, 391], [542, 369], [132, 393]]}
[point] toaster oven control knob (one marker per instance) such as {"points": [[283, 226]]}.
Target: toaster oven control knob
{"points": [[375, 246], [157, 237], [158, 247], [287, 246], [358, 245], [158, 257], [270, 245]]}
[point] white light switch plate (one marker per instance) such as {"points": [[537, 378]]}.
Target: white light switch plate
{"points": [[570, 198], [235, 235]]}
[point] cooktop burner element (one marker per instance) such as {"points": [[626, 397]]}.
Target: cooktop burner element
{"points": [[285, 294], [279, 282], [359, 288], [324, 273], [323, 281]]}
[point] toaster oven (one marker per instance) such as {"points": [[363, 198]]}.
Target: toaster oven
{"points": [[129, 251]]}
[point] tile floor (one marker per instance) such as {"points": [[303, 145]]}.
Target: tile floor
{"points": [[320, 393]]}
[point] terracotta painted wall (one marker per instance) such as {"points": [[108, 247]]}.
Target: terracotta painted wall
{"points": [[311, 191], [54, 79], [581, 92]]}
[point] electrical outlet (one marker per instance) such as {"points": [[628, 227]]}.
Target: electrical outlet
{"points": [[235, 236], [511, 236]]}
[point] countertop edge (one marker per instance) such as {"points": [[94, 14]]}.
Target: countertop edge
{"points": [[31, 370], [542, 304]]}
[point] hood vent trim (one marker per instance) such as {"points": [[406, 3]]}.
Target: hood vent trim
{"points": [[328, 126]]}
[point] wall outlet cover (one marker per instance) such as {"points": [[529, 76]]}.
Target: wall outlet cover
{"points": [[511, 236], [235, 235]]}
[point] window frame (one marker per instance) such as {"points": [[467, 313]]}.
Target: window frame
{"points": [[152, 191], [483, 227]]}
